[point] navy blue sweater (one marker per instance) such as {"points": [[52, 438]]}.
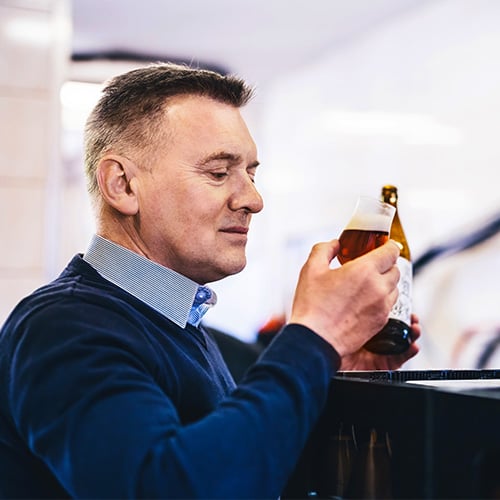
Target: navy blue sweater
{"points": [[103, 397]]}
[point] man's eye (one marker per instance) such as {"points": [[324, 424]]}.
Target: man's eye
{"points": [[251, 174], [218, 175]]}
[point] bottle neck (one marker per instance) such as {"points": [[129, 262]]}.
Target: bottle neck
{"points": [[390, 196]]}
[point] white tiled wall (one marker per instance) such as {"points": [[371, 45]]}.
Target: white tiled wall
{"points": [[26, 46], [24, 135], [34, 40], [22, 224]]}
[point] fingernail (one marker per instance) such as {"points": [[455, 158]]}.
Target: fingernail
{"points": [[398, 244]]}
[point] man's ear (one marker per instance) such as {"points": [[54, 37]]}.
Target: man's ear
{"points": [[114, 173]]}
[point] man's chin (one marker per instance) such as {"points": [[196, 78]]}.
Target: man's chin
{"points": [[229, 270]]}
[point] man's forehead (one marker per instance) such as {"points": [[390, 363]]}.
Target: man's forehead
{"points": [[206, 124], [195, 102]]}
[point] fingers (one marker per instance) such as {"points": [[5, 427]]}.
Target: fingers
{"points": [[416, 329], [397, 244], [383, 261], [394, 293], [397, 360], [324, 253], [385, 256]]}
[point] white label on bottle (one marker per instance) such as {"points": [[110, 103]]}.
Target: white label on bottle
{"points": [[402, 308]]}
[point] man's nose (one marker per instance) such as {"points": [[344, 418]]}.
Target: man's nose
{"points": [[246, 196]]}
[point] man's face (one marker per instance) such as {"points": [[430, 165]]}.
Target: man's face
{"points": [[197, 197]]}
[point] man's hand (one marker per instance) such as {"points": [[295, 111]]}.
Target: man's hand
{"points": [[347, 305], [366, 360]]}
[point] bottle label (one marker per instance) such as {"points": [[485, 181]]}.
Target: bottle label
{"points": [[402, 308]]}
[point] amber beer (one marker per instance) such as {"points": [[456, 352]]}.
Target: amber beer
{"points": [[367, 229], [356, 242]]}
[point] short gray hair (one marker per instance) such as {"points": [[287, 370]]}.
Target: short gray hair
{"points": [[128, 115]]}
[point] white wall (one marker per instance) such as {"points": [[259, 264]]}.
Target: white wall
{"points": [[34, 41], [415, 103]]}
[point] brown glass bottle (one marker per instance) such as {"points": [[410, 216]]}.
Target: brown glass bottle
{"points": [[395, 338]]}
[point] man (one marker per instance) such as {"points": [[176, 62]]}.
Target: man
{"points": [[110, 388]]}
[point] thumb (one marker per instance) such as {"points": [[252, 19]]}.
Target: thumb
{"points": [[324, 253], [386, 255]]}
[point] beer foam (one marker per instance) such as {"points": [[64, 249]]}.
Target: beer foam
{"points": [[370, 222]]}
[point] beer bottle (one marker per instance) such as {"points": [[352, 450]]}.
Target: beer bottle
{"points": [[394, 338]]}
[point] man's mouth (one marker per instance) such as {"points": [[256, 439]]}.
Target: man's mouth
{"points": [[235, 230]]}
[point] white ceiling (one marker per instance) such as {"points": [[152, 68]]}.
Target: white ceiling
{"points": [[257, 39]]}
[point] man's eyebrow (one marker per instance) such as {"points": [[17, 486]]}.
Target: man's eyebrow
{"points": [[221, 155], [231, 158]]}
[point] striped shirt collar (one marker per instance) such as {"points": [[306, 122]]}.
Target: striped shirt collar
{"points": [[176, 297]]}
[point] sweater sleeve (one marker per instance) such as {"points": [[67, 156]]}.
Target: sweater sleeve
{"points": [[105, 429]]}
